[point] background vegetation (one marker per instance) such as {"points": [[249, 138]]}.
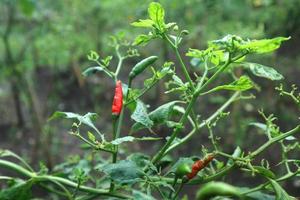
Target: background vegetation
{"points": [[43, 51]]}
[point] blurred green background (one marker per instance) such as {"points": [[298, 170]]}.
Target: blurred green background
{"points": [[43, 50]]}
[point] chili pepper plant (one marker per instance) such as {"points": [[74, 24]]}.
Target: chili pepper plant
{"points": [[110, 172]]}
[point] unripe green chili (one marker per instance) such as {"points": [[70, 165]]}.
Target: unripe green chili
{"points": [[183, 169], [213, 189], [141, 66]]}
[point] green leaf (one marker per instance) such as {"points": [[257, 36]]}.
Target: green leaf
{"points": [[93, 56], [141, 160], [227, 42], [264, 45], [91, 136], [123, 139], [137, 195], [86, 119], [263, 71], [20, 190], [236, 153], [131, 139], [146, 23], [8, 153], [92, 70], [158, 116], [265, 172], [210, 54], [259, 125], [141, 116], [148, 138], [162, 113], [259, 196], [142, 39], [281, 194], [242, 84], [106, 60], [157, 14], [123, 172]]}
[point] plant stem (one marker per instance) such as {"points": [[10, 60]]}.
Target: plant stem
{"points": [[274, 140], [260, 187], [117, 131], [213, 177], [183, 66], [142, 92], [183, 119], [178, 190], [50, 178], [55, 191], [173, 185], [91, 144], [119, 63], [212, 117]]}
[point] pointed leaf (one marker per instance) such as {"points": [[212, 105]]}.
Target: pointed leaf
{"points": [[137, 195], [141, 116], [264, 45], [123, 172], [86, 119], [281, 194], [263, 71], [156, 13], [242, 84], [123, 139], [146, 23], [158, 116], [21, 190], [92, 70]]}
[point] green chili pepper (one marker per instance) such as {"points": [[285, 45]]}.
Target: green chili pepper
{"points": [[213, 189], [141, 66], [183, 169]]}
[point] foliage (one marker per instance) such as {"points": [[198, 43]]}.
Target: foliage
{"points": [[140, 176]]}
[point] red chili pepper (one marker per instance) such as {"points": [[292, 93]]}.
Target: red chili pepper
{"points": [[199, 165], [118, 99]]}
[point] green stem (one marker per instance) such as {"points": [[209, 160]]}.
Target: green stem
{"points": [[183, 67], [117, 131], [120, 61], [54, 190], [183, 119], [262, 186], [211, 118], [67, 193], [274, 140], [50, 178], [6, 178], [142, 93], [105, 70], [91, 144], [178, 190], [173, 185], [76, 189]]}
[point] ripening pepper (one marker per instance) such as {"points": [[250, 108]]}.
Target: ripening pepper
{"points": [[199, 165], [182, 170], [118, 99]]}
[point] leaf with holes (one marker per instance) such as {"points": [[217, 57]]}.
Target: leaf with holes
{"points": [[124, 172], [263, 71], [141, 116]]}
